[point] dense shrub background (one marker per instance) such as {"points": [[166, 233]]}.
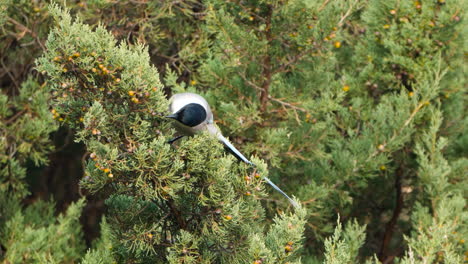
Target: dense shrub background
{"points": [[357, 108]]}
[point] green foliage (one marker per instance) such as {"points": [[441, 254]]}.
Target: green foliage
{"points": [[344, 245], [334, 96], [35, 235], [439, 218], [102, 251], [24, 135], [112, 97], [358, 108]]}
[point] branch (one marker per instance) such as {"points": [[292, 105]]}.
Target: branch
{"points": [[396, 213], [348, 12], [267, 69]]}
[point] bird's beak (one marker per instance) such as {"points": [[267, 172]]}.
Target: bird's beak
{"points": [[173, 116]]}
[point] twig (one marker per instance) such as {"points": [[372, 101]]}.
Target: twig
{"points": [[396, 213], [396, 134], [13, 118], [267, 68], [287, 104], [21, 26], [348, 12], [323, 5], [7, 70]]}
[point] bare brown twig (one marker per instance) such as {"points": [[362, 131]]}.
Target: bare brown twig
{"points": [[390, 227]]}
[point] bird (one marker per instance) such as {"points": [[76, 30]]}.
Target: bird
{"points": [[192, 114]]}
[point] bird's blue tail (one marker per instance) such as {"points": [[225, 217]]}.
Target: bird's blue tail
{"points": [[241, 157]]}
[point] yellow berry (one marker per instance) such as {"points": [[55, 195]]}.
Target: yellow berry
{"points": [[346, 88], [248, 193], [135, 100], [110, 175], [60, 119], [131, 93], [337, 44], [81, 119], [93, 155], [386, 26], [251, 18], [257, 175], [381, 147], [193, 82], [106, 170], [288, 248], [94, 70], [411, 94], [150, 236], [228, 217], [383, 167], [393, 11], [117, 80]]}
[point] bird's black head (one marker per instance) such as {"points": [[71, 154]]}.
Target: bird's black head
{"points": [[190, 115]]}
